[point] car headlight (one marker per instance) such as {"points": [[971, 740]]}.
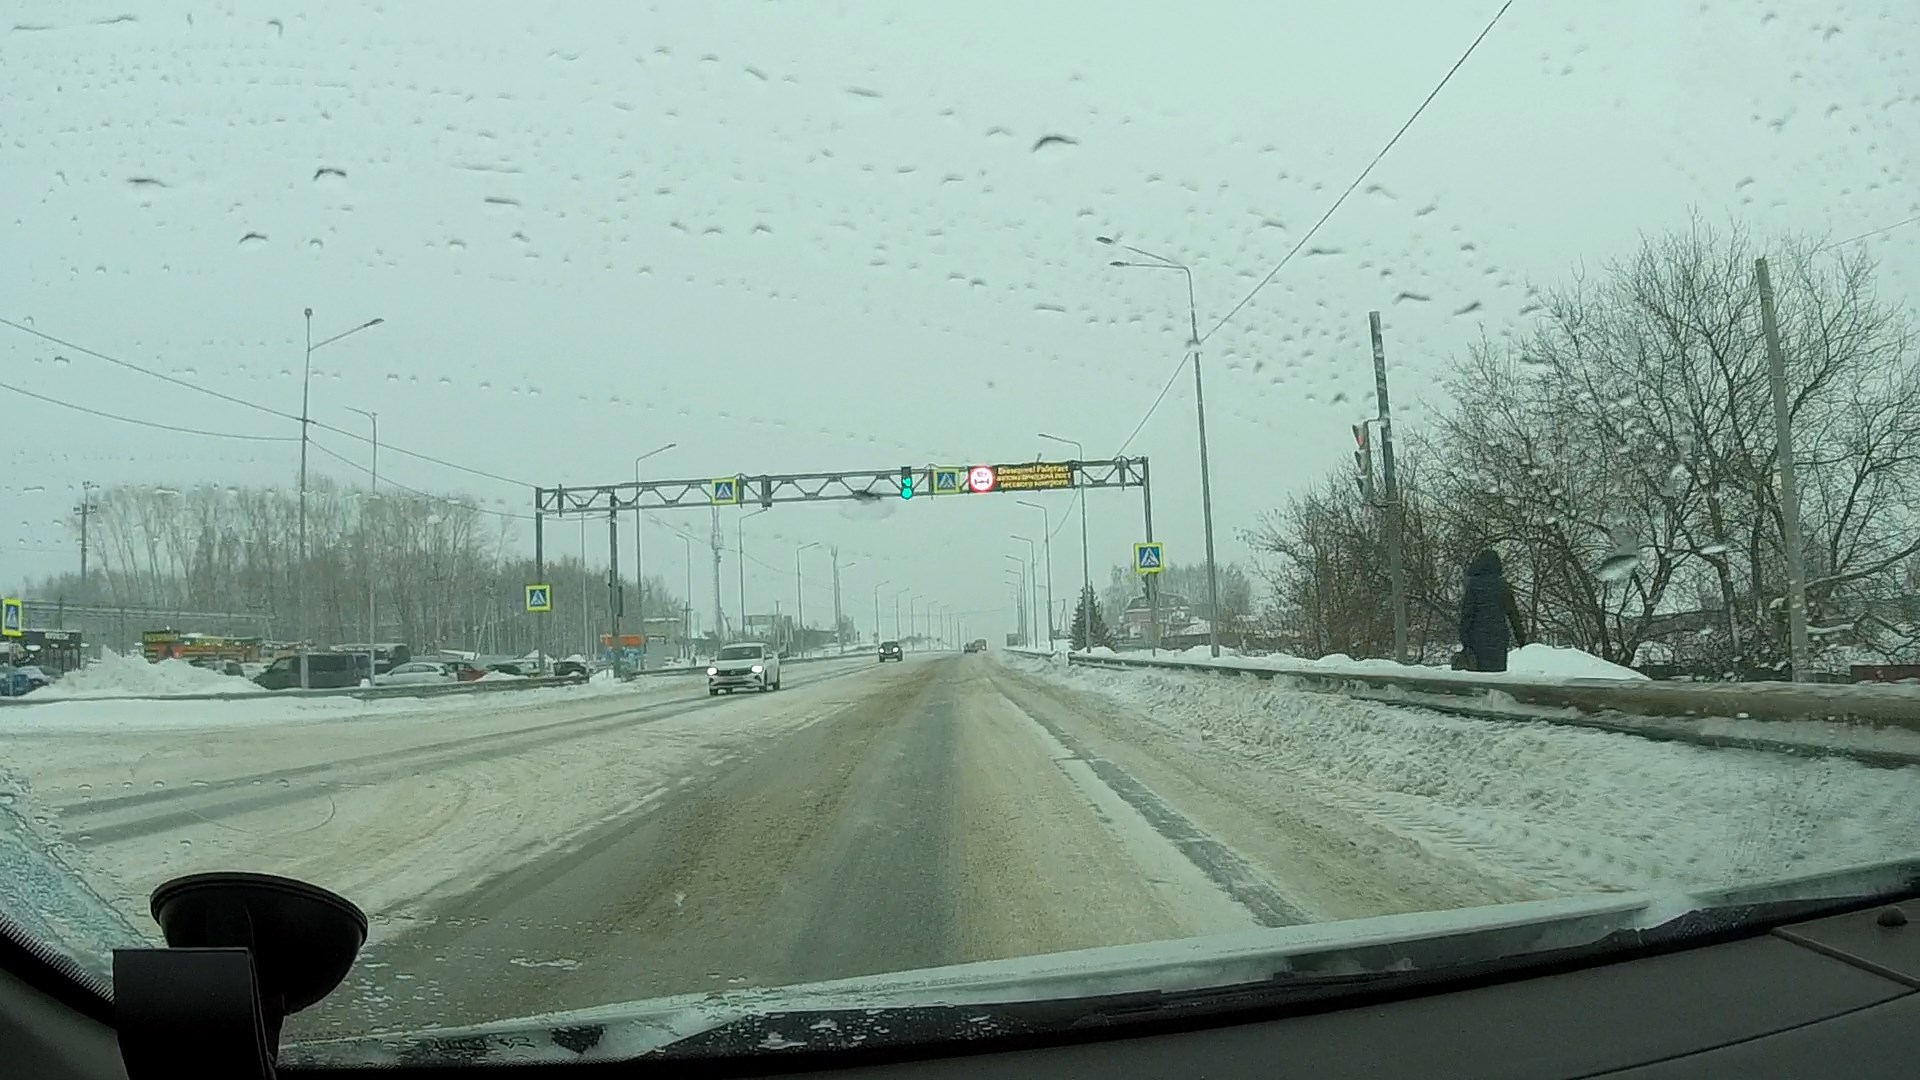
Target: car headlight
{"points": [[757, 669], [713, 671]]}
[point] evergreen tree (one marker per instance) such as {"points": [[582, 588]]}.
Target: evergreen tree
{"points": [[1102, 634]]}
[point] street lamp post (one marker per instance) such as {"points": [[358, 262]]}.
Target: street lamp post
{"points": [[897, 594], [1161, 262], [306, 420], [740, 539], [366, 512], [1046, 531], [800, 596], [1026, 602], [639, 557], [876, 613], [686, 602], [911, 624], [1086, 570], [1033, 582]]}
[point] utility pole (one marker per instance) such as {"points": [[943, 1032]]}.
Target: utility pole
{"points": [[1395, 568], [540, 578], [85, 510], [839, 645], [613, 590], [1790, 539], [366, 515], [719, 613]]}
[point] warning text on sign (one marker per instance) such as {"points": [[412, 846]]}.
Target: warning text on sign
{"points": [[1035, 476]]}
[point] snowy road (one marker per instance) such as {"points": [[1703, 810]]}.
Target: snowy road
{"points": [[571, 848]]}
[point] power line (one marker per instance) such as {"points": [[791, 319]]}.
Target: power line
{"points": [[1377, 158], [146, 423], [1288, 257], [1177, 369], [404, 452], [130, 366], [343, 459], [1871, 232]]}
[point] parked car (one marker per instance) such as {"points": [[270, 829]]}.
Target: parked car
{"points": [[465, 670], [215, 663], [569, 669], [890, 650], [748, 665], [325, 670], [417, 673], [511, 667], [36, 677]]}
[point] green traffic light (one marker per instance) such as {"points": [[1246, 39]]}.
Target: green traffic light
{"points": [[906, 487]]}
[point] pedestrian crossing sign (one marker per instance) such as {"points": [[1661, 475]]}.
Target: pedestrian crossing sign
{"points": [[12, 619], [539, 598], [1149, 558], [726, 489], [947, 479]]}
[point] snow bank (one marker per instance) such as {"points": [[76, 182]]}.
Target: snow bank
{"points": [[1534, 664], [1558, 663], [114, 675], [498, 676], [1561, 807]]}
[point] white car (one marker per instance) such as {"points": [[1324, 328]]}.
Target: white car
{"points": [[746, 665], [416, 673]]}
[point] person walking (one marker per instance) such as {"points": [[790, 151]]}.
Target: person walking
{"points": [[1489, 618]]}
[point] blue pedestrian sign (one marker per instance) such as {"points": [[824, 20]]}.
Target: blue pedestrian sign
{"points": [[1149, 558], [947, 479], [726, 489], [539, 598], [12, 620]]}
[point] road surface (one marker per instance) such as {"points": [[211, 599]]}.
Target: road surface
{"points": [[531, 857]]}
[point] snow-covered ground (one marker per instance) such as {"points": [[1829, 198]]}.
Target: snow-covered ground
{"points": [[1566, 808], [388, 801]]}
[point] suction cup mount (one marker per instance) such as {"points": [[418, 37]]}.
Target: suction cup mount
{"points": [[244, 952]]}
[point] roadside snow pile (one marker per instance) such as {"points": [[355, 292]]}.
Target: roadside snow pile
{"points": [[1558, 663], [114, 675], [1534, 663], [497, 676], [1563, 808]]}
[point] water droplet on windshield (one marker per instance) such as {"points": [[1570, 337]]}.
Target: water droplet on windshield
{"points": [[253, 241]]}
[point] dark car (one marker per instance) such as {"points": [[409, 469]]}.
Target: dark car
{"points": [[569, 669], [325, 670], [890, 650]]}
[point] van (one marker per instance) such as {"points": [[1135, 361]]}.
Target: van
{"points": [[324, 670]]}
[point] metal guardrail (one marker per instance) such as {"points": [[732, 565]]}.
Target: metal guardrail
{"points": [[1652, 710]]}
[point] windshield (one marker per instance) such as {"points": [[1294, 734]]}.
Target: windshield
{"points": [[1189, 470]]}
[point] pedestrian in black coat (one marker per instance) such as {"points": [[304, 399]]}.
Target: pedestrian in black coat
{"points": [[1489, 618]]}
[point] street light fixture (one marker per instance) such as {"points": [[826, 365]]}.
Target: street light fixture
{"points": [[800, 596], [306, 421], [1086, 570], [1046, 530], [366, 510], [639, 557], [1161, 262]]}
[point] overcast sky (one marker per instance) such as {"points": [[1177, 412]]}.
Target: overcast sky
{"points": [[811, 236]]}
